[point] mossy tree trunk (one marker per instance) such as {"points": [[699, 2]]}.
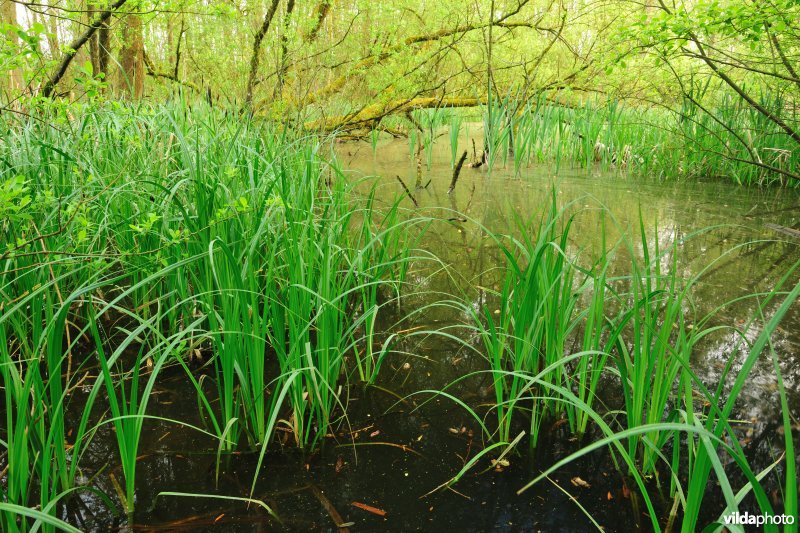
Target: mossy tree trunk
{"points": [[131, 79], [255, 58]]}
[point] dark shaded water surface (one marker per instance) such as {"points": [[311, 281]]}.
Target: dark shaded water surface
{"points": [[389, 455]]}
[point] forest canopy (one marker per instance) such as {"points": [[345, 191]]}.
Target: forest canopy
{"points": [[307, 59]]}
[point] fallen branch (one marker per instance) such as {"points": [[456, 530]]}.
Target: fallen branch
{"points": [[475, 163], [783, 229], [457, 172], [375, 112], [151, 71]]}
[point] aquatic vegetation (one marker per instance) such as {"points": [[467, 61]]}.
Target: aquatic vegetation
{"points": [[649, 360], [232, 244], [712, 442], [636, 332], [497, 124], [647, 141], [239, 258], [428, 121], [526, 335], [374, 137], [37, 374], [226, 302], [454, 130]]}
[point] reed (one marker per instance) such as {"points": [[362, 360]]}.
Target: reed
{"points": [[536, 313], [147, 237], [497, 125], [374, 137], [712, 442], [649, 363], [728, 140], [639, 332], [208, 236]]}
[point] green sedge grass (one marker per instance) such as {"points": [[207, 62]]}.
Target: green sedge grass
{"points": [[374, 138], [714, 438], [538, 310], [497, 125], [721, 141], [238, 240], [648, 363], [205, 234], [36, 373]]}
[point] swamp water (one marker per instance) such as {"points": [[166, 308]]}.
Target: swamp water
{"points": [[389, 455]]}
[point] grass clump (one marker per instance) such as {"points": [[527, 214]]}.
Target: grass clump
{"points": [[730, 140], [140, 238], [557, 330]]}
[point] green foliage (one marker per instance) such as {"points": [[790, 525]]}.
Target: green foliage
{"points": [[14, 199], [637, 333], [92, 86], [206, 236], [527, 334], [650, 142]]}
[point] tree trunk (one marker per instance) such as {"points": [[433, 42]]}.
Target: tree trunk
{"points": [[131, 79], [51, 21], [8, 15], [320, 13], [75, 28], [284, 48], [104, 48], [99, 45], [256, 57], [177, 56]]}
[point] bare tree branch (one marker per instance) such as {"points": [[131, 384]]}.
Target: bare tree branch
{"points": [[49, 87]]}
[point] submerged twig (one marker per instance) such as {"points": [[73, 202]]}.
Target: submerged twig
{"points": [[475, 163], [330, 509], [403, 447]]}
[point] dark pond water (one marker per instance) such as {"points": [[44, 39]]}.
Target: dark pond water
{"points": [[389, 455]]}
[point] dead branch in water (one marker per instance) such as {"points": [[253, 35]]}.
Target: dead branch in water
{"points": [[457, 172], [330, 509], [792, 232]]}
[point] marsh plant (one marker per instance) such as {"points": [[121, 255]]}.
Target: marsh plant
{"points": [[195, 237], [526, 335], [454, 130], [561, 323], [142, 241], [613, 135]]}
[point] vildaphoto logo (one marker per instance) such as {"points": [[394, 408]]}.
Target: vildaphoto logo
{"points": [[747, 519]]}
